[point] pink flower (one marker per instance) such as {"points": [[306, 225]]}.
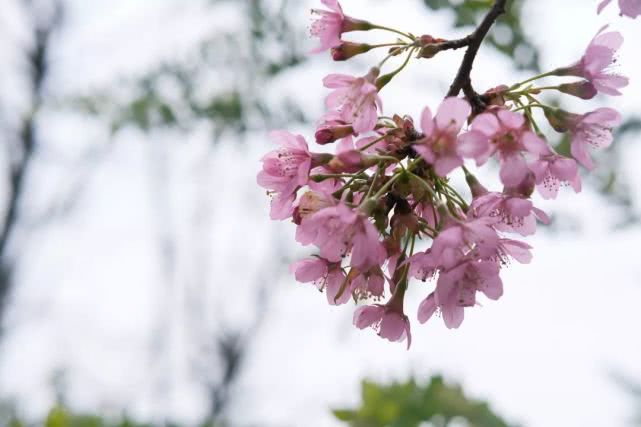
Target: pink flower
{"points": [[332, 23], [509, 136], [324, 275], [515, 213], [284, 171], [339, 230], [457, 287], [423, 265], [459, 238], [592, 130], [596, 63], [441, 146], [355, 98], [369, 284], [391, 323], [630, 8], [551, 170]]}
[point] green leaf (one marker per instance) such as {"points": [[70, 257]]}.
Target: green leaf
{"points": [[344, 414]]}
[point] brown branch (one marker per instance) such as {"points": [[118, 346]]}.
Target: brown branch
{"points": [[463, 81]]}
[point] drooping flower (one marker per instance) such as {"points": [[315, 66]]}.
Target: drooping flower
{"points": [[461, 237], [515, 212], [339, 230], [391, 323], [355, 99], [593, 130], [441, 146], [552, 170], [284, 171], [325, 275], [368, 284], [597, 61], [332, 23], [508, 136], [629, 8], [423, 265], [457, 287]]}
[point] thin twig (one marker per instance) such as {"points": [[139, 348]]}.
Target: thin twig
{"points": [[462, 81]]}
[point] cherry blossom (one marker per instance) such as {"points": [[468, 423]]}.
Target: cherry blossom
{"points": [[597, 63], [355, 99]]}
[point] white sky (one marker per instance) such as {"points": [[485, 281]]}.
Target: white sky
{"points": [[93, 294]]}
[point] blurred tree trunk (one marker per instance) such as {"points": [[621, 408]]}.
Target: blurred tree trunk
{"points": [[43, 27]]}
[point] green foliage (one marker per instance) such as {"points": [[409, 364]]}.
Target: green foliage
{"points": [[60, 416], [411, 405], [507, 36], [220, 83]]}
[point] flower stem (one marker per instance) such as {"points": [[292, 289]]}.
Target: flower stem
{"points": [[377, 140], [531, 79], [392, 30]]}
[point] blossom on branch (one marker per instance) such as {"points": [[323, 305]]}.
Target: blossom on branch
{"points": [[382, 210]]}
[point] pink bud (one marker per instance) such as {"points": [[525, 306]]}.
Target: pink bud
{"points": [[348, 50], [581, 89], [328, 133], [561, 120]]}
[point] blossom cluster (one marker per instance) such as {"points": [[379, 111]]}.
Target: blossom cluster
{"points": [[381, 209]]}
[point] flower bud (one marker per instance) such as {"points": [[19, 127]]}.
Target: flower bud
{"points": [[383, 80], [327, 134], [476, 187], [348, 50], [581, 89], [561, 120], [350, 161], [353, 24], [320, 159], [496, 96]]}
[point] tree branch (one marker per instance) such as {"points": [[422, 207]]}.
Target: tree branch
{"points": [[37, 58], [462, 81]]}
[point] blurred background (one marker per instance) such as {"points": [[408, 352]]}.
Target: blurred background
{"points": [[142, 283]]}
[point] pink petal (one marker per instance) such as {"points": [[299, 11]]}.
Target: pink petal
{"points": [[333, 81], [510, 119], [513, 170], [486, 123], [445, 165], [535, 144], [602, 5], [282, 206], [392, 326], [308, 270], [367, 315], [474, 145], [427, 308], [452, 114], [427, 122]]}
